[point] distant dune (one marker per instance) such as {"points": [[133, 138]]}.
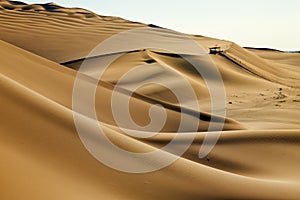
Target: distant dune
{"points": [[42, 46]]}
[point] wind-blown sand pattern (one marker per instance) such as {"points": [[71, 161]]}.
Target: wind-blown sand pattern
{"points": [[42, 157]]}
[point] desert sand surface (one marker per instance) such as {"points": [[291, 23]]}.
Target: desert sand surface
{"points": [[42, 47]]}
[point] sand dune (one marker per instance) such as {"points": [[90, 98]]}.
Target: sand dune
{"points": [[42, 156]]}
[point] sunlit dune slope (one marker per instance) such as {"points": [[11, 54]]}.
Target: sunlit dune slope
{"points": [[42, 47]]}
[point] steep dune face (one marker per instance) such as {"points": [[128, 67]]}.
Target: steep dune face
{"points": [[42, 48], [263, 68], [39, 143], [60, 90]]}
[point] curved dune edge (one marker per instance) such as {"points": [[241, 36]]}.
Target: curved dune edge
{"points": [[57, 154], [42, 156], [248, 160]]}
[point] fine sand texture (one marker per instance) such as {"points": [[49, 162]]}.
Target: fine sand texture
{"points": [[42, 156]]}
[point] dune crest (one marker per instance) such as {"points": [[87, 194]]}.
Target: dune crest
{"points": [[48, 7], [42, 47]]}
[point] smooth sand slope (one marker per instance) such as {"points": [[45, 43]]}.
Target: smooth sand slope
{"points": [[42, 156]]}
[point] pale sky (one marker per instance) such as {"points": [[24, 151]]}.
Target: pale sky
{"points": [[256, 23]]}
